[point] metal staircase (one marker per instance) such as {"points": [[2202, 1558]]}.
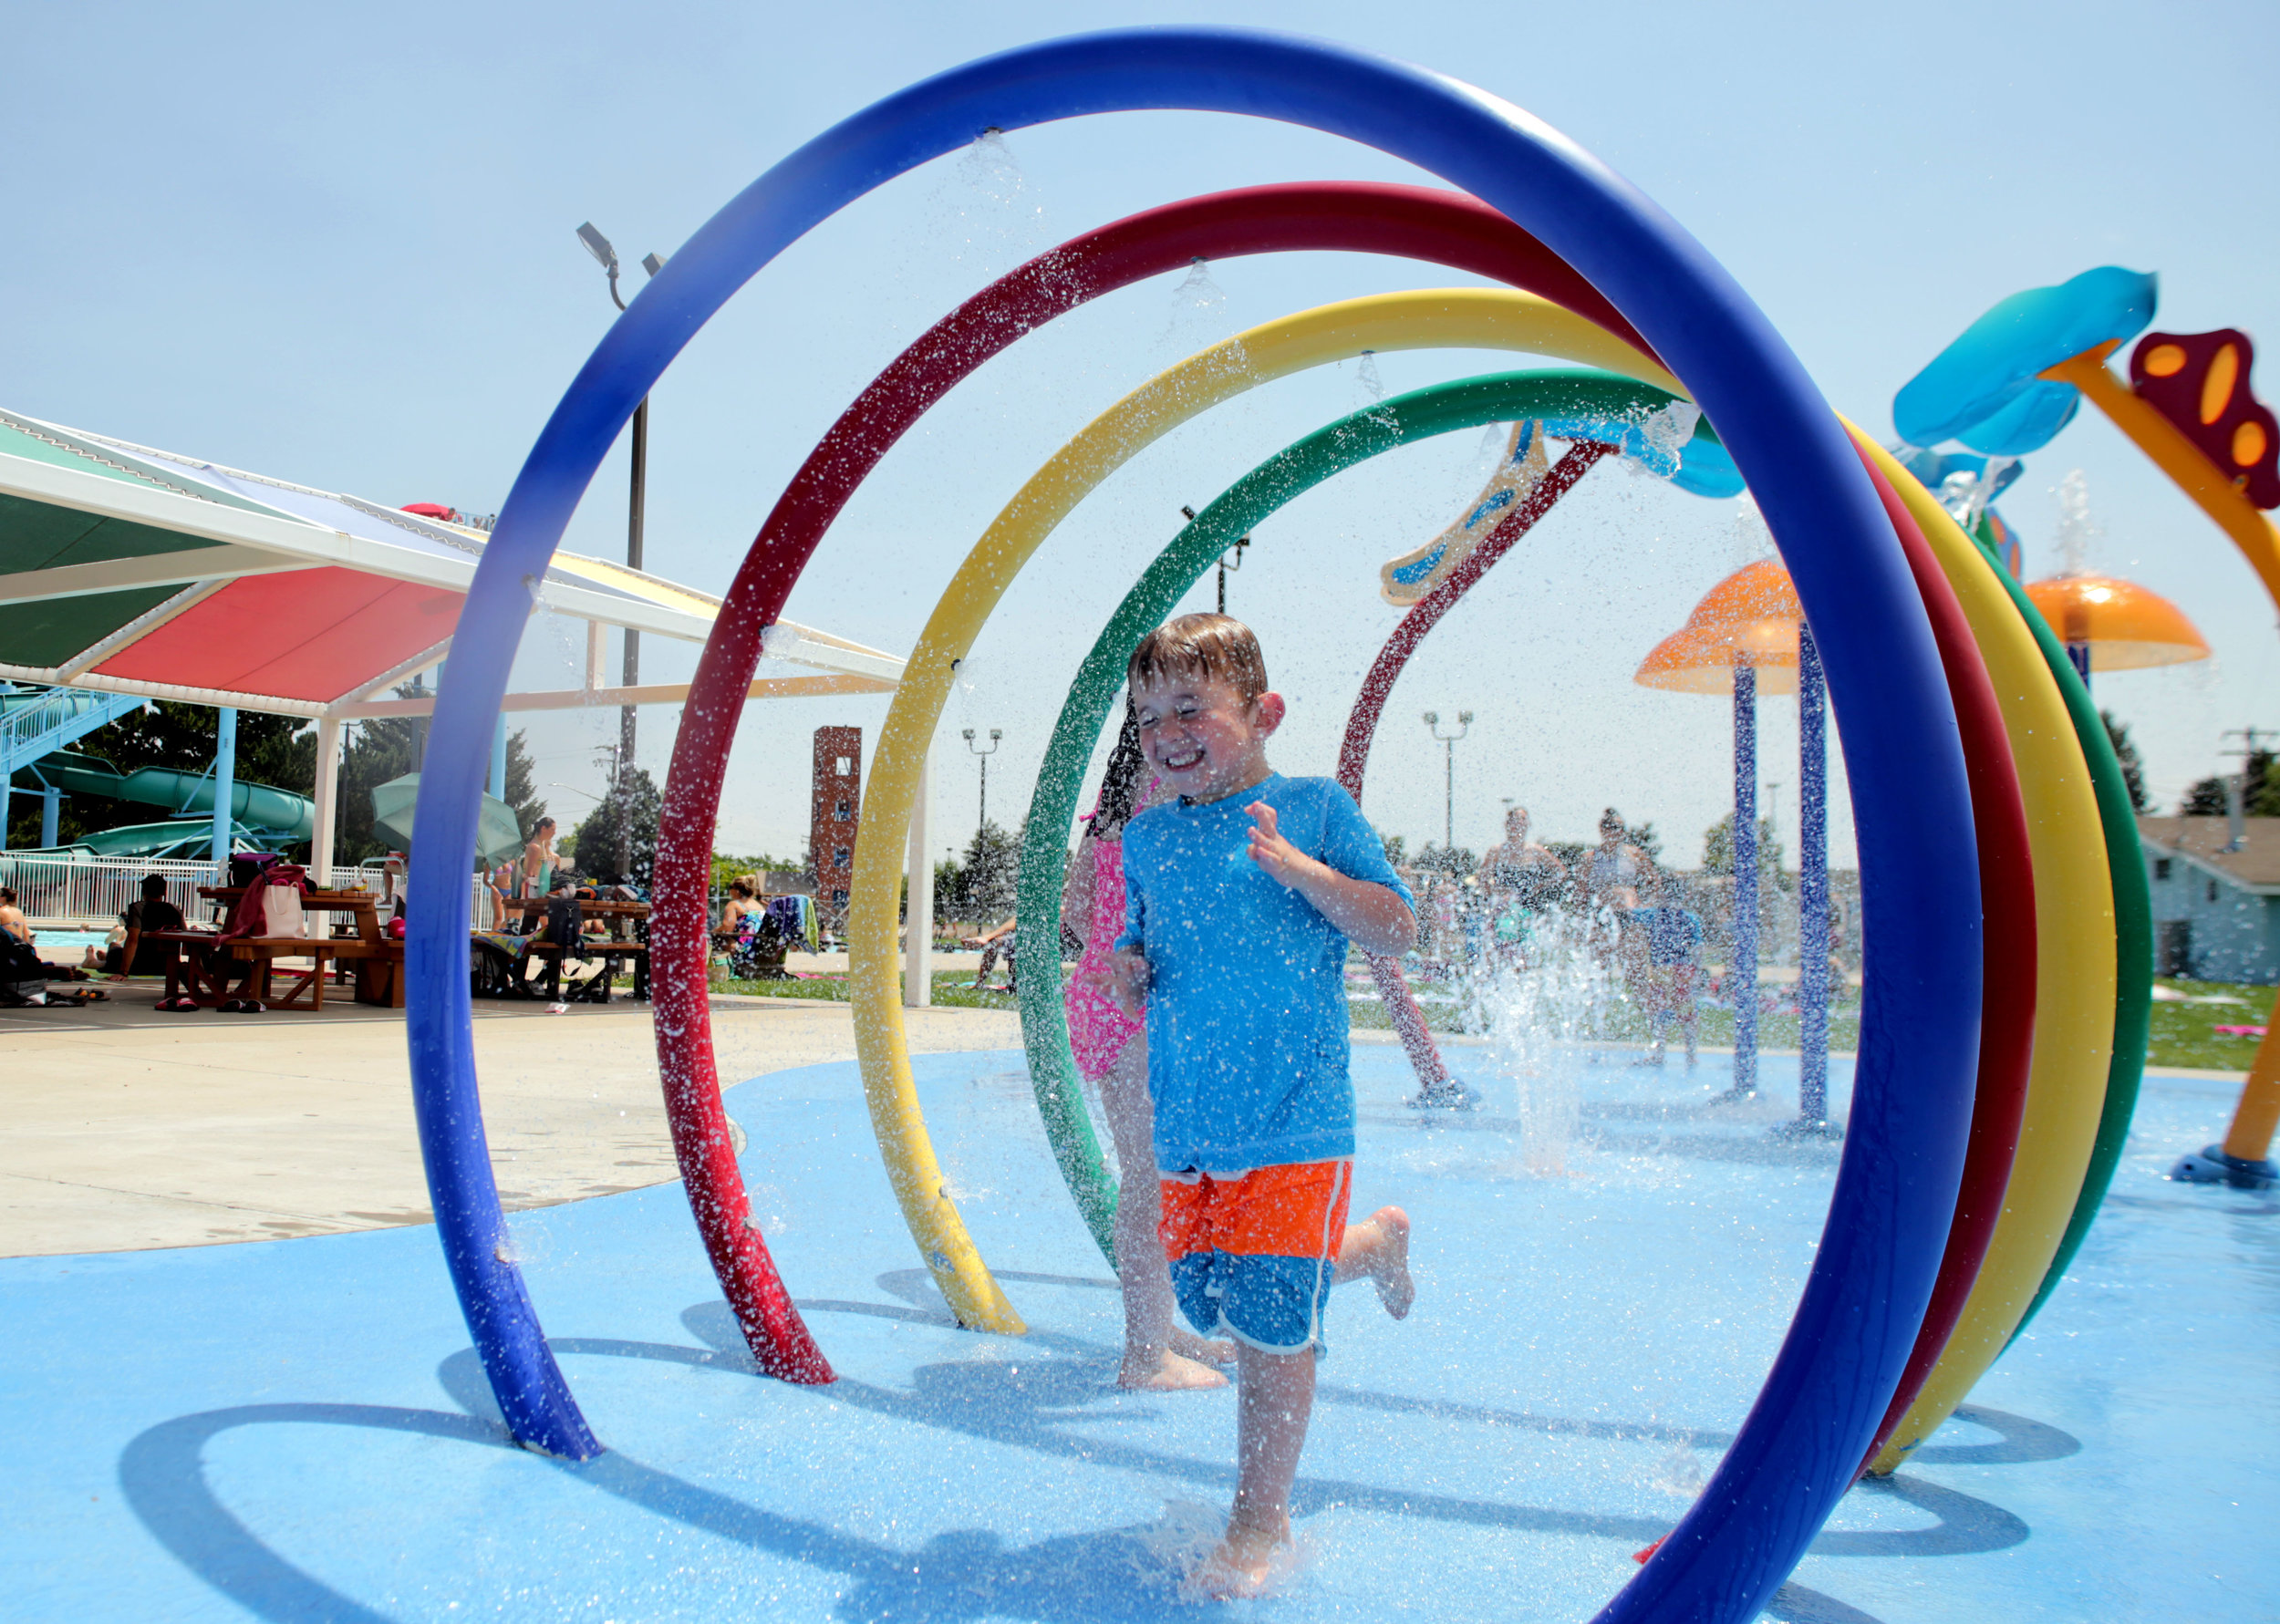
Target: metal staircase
{"points": [[35, 722]]}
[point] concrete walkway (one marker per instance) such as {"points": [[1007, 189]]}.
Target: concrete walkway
{"points": [[127, 1129]]}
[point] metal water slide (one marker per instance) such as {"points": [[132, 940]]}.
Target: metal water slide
{"points": [[274, 814], [36, 724]]}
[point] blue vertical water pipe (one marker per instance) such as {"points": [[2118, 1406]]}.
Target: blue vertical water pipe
{"points": [[1741, 970], [224, 789], [1812, 899], [50, 816], [499, 760]]}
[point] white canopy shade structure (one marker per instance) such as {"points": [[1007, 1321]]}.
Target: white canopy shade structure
{"points": [[127, 570]]}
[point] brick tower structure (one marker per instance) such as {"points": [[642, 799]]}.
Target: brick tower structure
{"points": [[835, 813]]}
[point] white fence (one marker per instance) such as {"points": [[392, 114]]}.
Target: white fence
{"points": [[56, 891]]}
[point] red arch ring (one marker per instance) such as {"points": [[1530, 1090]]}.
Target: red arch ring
{"points": [[2007, 886], [2006, 905], [1439, 227]]}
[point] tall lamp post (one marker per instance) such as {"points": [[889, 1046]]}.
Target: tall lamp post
{"points": [[982, 820], [1448, 743], [599, 247], [1232, 559]]}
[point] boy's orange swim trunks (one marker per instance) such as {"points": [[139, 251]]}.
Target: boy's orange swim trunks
{"points": [[1253, 1255]]}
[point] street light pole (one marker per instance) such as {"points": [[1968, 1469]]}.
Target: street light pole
{"points": [[983, 819], [1234, 553], [1449, 742], [637, 504]]}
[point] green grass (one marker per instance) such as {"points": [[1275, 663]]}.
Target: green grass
{"points": [[2183, 1034], [950, 987]]}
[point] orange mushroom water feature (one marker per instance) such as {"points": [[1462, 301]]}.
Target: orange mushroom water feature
{"points": [[1750, 618], [1747, 637], [2112, 624]]}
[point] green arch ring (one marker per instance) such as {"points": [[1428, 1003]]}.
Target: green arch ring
{"points": [[1444, 409], [2134, 931]]}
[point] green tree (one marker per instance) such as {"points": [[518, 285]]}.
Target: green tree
{"points": [[594, 845], [1434, 857], [726, 866], [2260, 797], [950, 891], [989, 872], [1717, 847], [383, 748], [376, 749], [1644, 836], [2132, 768]]}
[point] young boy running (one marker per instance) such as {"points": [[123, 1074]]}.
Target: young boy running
{"points": [[1242, 896]]}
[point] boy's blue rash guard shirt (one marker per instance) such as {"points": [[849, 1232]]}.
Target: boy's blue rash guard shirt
{"points": [[1248, 1031]]}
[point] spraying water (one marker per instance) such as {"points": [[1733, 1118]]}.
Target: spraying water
{"points": [[1366, 377], [1542, 984], [2077, 528], [1197, 314]]}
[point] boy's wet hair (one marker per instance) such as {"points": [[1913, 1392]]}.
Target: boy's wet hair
{"points": [[1211, 645]]}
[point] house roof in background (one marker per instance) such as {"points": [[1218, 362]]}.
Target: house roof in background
{"points": [[2255, 866]]}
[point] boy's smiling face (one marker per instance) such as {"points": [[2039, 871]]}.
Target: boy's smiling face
{"points": [[1203, 736]]}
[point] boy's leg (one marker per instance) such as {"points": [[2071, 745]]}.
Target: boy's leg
{"points": [[1157, 1355], [1275, 1401], [1377, 1250]]}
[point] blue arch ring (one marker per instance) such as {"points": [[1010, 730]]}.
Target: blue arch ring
{"points": [[1903, 1159]]}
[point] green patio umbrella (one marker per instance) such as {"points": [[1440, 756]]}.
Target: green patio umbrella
{"points": [[497, 831]]}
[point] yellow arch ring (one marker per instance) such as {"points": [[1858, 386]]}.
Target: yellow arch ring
{"points": [[1447, 318], [1470, 319], [2074, 973]]}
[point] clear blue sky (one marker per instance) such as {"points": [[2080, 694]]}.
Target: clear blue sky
{"points": [[334, 244]]}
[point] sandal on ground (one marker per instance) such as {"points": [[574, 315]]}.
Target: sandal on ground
{"points": [[229, 1006], [247, 1007], [172, 1006]]}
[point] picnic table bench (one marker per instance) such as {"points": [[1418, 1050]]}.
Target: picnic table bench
{"points": [[375, 959], [499, 970]]}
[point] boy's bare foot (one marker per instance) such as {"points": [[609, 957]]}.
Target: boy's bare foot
{"points": [[1239, 1566], [1170, 1372], [1187, 1343], [1395, 1289]]}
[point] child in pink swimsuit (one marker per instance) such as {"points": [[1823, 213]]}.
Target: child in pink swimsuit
{"points": [[1111, 1052]]}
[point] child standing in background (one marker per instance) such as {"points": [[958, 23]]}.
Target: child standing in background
{"points": [[1241, 897], [1110, 1049]]}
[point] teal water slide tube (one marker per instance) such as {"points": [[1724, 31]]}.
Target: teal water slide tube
{"points": [[260, 813]]}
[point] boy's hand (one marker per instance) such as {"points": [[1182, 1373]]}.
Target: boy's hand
{"points": [[1372, 917], [1125, 981], [1276, 856]]}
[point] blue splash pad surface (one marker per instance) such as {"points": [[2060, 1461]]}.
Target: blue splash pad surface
{"points": [[296, 1429]]}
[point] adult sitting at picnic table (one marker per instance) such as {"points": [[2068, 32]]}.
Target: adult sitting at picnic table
{"points": [[155, 912]]}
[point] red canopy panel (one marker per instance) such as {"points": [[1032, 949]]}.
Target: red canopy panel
{"points": [[315, 634]]}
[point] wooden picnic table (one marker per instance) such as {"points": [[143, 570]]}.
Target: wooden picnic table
{"points": [[261, 955], [376, 959], [620, 916]]}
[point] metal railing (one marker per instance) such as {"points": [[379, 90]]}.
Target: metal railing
{"points": [[373, 877], [56, 891]]}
